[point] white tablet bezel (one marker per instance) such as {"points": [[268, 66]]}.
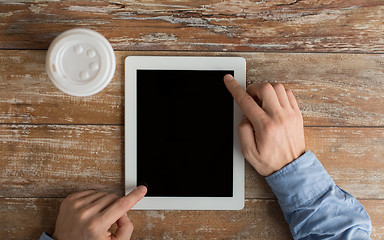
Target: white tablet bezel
{"points": [[132, 64]]}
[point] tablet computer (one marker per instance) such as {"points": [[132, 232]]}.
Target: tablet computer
{"points": [[181, 137]]}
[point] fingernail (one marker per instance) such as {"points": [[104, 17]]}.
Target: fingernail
{"points": [[142, 188], [228, 77]]}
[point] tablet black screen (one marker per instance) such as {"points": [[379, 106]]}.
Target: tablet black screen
{"points": [[184, 133]]}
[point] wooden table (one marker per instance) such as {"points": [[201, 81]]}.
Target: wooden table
{"points": [[330, 53]]}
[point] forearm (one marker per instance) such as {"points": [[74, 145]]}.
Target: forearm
{"points": [[314, 207]]}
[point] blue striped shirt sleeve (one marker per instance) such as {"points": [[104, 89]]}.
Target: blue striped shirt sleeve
{"points": [[45, 236], [314, 206]]}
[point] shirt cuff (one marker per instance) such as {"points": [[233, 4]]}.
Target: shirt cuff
{"points": [[300, 182], [45, 236]]}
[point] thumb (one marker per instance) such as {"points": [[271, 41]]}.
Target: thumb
{"points": [[124, 228]]}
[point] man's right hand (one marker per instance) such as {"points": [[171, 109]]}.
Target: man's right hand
{"points": [[271, 131]]}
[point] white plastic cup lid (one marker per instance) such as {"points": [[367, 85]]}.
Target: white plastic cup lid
{"points": [[80, 62]]}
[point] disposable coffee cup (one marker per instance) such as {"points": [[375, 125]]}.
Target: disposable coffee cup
{"points": [[80, 62]]}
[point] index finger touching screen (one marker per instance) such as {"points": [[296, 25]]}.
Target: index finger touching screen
{"points": [[247, 104]]}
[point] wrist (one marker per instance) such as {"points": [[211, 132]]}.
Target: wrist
{"points": [[300, 181], [54, 236]]}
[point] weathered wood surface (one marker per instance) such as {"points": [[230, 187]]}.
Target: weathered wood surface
{"points": [[332, 89], [53, 144], [27, 218], [279, 25], [56, 160], [258, 220]]}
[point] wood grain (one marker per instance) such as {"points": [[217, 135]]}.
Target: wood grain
{"points": [[332, 89], [330, 53], [260, 219], [56, 160], [279, 25]]}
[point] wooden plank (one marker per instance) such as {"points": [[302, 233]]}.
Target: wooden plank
{"points": [[260, 219], [332, 89], [28, 96], [280, 25], [353, 157], [56, 160]]}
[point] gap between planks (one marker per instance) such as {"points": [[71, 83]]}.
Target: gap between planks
{"points": [[209, 51], [118, 124]]}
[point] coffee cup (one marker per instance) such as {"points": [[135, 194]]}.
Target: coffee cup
{"points": [[80, 62]]}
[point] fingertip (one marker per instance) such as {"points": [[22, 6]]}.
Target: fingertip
{"points": [[292, 99], [228, 77], [143, 189], [278, 85]]}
